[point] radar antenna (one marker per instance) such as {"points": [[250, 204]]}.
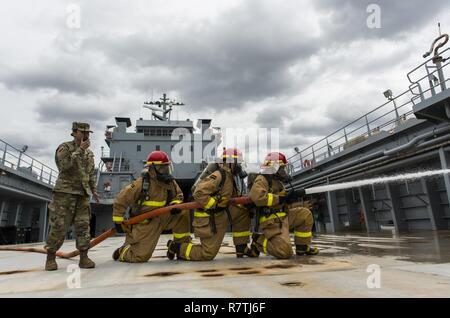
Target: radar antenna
{"points": [[164, 107]]}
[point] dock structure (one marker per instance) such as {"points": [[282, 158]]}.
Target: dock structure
{"points": [[25, 190], [410, 132]]}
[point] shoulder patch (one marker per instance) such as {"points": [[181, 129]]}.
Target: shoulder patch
{"points": [[61, 148]]}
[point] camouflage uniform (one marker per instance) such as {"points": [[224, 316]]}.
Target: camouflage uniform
{"points": [[276, 219], [70, 203], [141, 241]]}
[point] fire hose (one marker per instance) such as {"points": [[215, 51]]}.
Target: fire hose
{"points": [[131, 221]]}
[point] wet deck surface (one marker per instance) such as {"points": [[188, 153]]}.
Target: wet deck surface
{"points": [[413, 265]]}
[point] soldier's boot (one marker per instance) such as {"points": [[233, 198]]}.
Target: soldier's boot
{"points": [[50, 264], [85, 261], [306, 250], [243, 250], [173, 248]]}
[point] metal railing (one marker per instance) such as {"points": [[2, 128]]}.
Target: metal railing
{"points": [[434, 82], [384, 118], [119, 163], [18, 160]]}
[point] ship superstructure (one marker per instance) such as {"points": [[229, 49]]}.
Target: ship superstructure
{"points": [[124, 160]]}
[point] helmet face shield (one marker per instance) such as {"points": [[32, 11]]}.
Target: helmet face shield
{"points": [[163, 172], [282, 173], [164, 169], [238, 169]]}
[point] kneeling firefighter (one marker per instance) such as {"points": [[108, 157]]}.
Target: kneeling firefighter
{"points": [[274, 218], [211, 222], [156, 188]]}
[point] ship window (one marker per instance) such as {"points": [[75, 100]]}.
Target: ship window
{"points": [[138, 148], [152, 132], [140, 130], [147, 132], [158, 147]]}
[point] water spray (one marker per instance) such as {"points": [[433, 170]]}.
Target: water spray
{"points": [[373, 181]]}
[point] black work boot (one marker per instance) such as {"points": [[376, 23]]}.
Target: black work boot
{"points": [[306, 250], [173, 248], [240, 250], [85, 261], [243, 250], [50, 264], [116, 254], [253, 247]]}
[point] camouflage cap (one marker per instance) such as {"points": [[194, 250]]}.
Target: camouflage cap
{"points": [[81, 127]]}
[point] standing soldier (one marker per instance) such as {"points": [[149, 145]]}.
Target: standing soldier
{"points": [[211, 222], [274, 216], [154, 189], [70, 203]]}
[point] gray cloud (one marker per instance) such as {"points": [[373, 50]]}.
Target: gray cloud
{"points": [[248, 54], [271, 117], [64, 109], [347, 20], [216, 64], [314, 128], [63, 74]]}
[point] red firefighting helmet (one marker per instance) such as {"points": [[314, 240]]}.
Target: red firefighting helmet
{"points": [[275, 159], [158, 158], [231, 155]]}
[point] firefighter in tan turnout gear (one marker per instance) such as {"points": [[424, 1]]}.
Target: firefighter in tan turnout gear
{"points": [[275, 218], [211, 222], [154, 189]]}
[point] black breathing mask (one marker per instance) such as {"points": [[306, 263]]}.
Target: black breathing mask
{"points": [[238, 171], [283, 175], [163, 177]]}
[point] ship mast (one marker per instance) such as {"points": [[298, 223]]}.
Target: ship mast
{"points": [[165, 106]]}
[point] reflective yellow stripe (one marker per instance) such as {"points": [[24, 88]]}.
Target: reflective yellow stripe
{"points": [[122, 254], [188, 251], [201, 214], [181, 235], [265, 246], [269, 199], [154, 203], [176, 202], [117, 219], [154, 162], [303, 234], [271, 162], [145, 221], [272, 216], [241, 234], [210, 203], [232, 156]]}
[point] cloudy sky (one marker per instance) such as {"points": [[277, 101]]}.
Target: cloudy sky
{"points": [[307, 67]]}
